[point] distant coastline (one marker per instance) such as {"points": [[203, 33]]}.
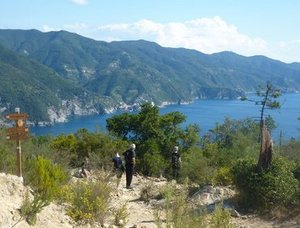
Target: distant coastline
{"points": [[205, 113]]}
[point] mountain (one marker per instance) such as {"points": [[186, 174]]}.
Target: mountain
{"points": [[34, 87], [295, 66], [117, 74]]}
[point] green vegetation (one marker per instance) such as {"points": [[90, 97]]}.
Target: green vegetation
{"points": [[104, 75], [226, 155], [180, 213], [25, 82], [221, 218], [43, 70], [276, 186], [155, 136], [44, 177], [121, 215], [88, 201], [30, 209]]}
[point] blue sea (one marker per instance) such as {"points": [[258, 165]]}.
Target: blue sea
{"points": [[205, 113]]}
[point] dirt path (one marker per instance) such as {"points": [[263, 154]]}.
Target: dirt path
{"points": [[140, 212]]}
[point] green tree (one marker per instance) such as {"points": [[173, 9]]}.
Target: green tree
{"points": [[268, 100], [230, 141], [154, 134]]}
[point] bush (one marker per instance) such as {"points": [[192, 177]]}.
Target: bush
{"points": [[7, 161], [44, 177], [274, 186], [88, 201], [196, 167], [121, 215], [221, 218], [297, 171], [148, 192], [291, 150], [179, 213], [153, 164], [30, 209], [223, 176]]}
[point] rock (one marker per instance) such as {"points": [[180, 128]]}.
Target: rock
{"points": [[234, 213], [12, 194], [157, 203]]}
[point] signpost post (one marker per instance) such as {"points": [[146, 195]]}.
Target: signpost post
{"points": [[18, 132]]}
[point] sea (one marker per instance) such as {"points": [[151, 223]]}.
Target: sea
{"points": [[205, 113]]}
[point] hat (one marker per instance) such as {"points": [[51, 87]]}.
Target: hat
{"points": [[132, 146]]}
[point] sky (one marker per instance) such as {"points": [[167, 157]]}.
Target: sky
{"points": [[246, 27]]}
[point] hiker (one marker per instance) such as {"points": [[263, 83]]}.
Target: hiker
{"points": [[85, 168], [129, 156], [176, 162], [118, 167]]}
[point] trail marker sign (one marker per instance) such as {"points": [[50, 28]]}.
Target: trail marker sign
{"points": [[18, 132]]}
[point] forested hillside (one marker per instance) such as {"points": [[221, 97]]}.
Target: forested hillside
{"points": [[32, 86], [118, 74]]}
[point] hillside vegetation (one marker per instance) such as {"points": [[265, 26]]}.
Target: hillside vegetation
{"points": [[32, 86], [113, 75], [226, 156]]}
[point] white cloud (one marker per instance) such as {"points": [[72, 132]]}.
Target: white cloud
{"points": [[80, 2], [47, 28], [207, 35]]}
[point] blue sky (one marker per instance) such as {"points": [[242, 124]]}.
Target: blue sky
{"points": [[247, 27]]}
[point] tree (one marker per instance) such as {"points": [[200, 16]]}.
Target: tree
{"points": [[154, 134], [268, 96], [230, 141]]}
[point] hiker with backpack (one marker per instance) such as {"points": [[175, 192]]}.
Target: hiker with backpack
{"points": [[176, 163], [129, 156], [118, 167]]}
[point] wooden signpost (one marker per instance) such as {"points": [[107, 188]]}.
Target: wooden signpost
{"points": [[18, 132]]}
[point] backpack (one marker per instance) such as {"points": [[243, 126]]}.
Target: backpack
{"points": [[175, 158], [118, 164]]}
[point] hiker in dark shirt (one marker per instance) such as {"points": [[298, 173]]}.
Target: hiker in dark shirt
{"points": [[118, 167], [129, 156], [176, 163]]}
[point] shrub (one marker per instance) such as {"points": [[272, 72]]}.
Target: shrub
{"points": [[121, 215], [89, 201], [223, 176], [274, 186], [7, 161], [297, 171], [196, 167], [291, 149], [44, 177], [179, 213], [30, 209], [148, 192], [221, 218], [153, 164]]}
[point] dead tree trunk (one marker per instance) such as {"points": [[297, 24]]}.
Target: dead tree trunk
{"points": [[266, 149]]}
